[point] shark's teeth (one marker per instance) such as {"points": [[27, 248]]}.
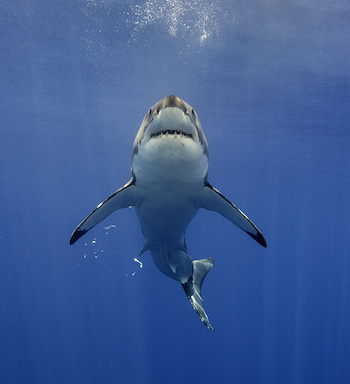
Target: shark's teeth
{"points": [[171, 132]]}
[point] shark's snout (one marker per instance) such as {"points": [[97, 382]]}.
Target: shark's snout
{"points": [[172, 101]]}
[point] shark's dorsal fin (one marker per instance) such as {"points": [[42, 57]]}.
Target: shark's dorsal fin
{"points": [[122, 198], [213, 200]]}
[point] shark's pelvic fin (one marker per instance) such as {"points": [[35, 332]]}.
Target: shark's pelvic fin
{"points": [[213, 200], [122, 198], [193, 287]]}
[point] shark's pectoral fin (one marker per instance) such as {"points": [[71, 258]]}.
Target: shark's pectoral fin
{"points": [[122, 198], [213, 200], [193, 287]]}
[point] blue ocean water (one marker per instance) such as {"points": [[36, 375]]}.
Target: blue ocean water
{"points": [[270, 82]]}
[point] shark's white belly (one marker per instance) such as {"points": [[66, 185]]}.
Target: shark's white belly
{"points": [[165, 210], [169, 178]]}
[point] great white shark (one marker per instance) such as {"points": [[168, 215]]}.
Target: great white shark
{"points": [[168, 185]]}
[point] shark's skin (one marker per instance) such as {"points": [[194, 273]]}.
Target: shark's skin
{"points": [[168, 185]]}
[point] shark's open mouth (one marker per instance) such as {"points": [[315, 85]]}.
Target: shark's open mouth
{"points": [[171, 132]]}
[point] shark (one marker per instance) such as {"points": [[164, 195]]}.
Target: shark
{"points": [[168, 185]]}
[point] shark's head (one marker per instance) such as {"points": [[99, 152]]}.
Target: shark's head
{"points": [[171, 119], [170, 134]]}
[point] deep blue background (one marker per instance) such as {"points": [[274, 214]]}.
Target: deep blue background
{"points": [[270, 81]]}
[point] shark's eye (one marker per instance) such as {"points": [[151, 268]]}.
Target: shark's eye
{"points": [[192, 112], [150, 112]]}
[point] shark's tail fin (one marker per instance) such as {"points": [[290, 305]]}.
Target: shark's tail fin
{"points": [[193, 287]]}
